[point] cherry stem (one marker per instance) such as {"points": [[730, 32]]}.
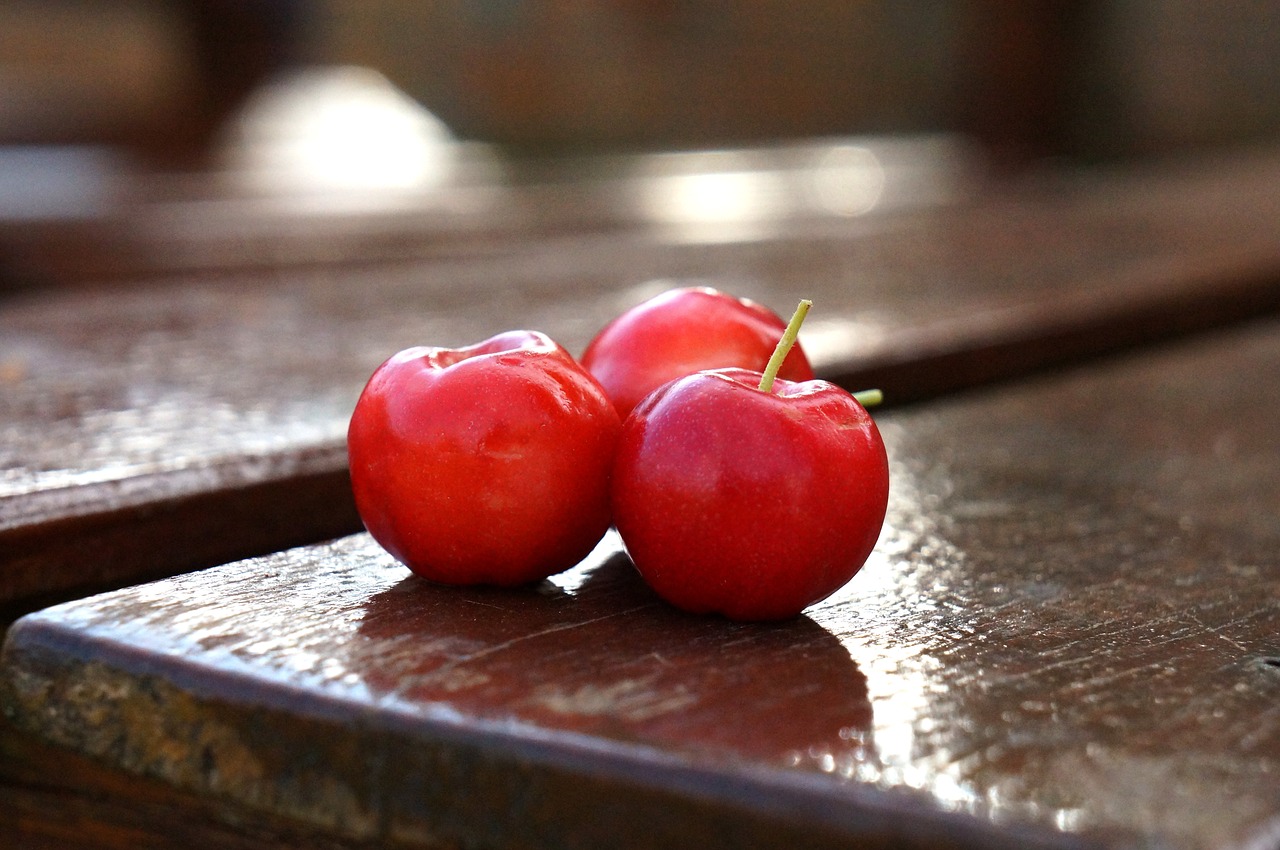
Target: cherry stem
{"points": [[784, 346], [868, 398]]}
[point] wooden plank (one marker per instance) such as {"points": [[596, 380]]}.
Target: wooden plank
{"points": [[1067, 637], [200, 419], [118, 221], [54, 799]]}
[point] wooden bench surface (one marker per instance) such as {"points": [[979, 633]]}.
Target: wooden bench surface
{"points": [[127, 222], [1069, 635], [181, 421]]}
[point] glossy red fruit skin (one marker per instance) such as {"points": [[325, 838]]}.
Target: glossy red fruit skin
{"points": [[749, 504], [488, 464], [683, 331]]}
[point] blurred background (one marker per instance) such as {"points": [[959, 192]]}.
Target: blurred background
{"points": [[1082, 81]]}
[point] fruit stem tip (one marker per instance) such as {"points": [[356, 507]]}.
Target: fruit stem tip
{"points": [[868, 398], [784, 346]]}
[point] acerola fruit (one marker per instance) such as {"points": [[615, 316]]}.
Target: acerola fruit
{"points": [[488, 464], [683, 331], [748, 503]]}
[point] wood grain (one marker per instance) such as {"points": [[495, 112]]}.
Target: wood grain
{"points": [[198, 419], [53, 799], [1067, 637]]}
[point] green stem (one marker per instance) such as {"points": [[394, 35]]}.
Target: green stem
{"points": [[869, 398], [784, 346]]}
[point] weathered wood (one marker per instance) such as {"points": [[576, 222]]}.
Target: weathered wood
{"points": [[1067, 636], [55, 799], [197, 420]]}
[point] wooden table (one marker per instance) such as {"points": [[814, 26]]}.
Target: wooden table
{"points": [[1068, 636], [1065, 638]]}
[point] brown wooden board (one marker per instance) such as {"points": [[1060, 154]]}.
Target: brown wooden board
{"points": [[54, 799], [83, 215], [199, 419], [1069, 635]]}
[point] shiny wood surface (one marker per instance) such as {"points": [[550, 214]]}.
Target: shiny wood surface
{"points": [[194, 418], [1066, 637]]}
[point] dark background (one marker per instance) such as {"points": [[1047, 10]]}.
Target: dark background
{"points": [[1083, 81]]}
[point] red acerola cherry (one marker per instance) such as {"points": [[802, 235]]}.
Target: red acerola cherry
{"points": [[680, 332], [748, 503], [741, 494], [487, 464]]}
